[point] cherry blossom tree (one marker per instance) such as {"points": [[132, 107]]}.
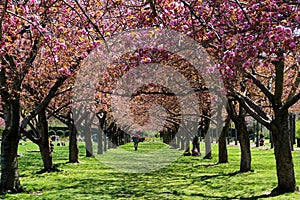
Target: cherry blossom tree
{"points": [[37, 40], [259, 39]]}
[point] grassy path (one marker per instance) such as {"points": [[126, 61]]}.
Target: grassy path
{"points": [[186, 178]]}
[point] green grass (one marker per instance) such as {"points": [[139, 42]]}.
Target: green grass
{"points": [[186, 178]]}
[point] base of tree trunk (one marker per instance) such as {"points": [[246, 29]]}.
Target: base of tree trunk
{"points": [[207, 156], [77, 161], [245, 171], [53, 169], [278, 191], [16, 190]]}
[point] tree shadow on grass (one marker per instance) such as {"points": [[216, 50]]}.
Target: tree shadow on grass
{"points": [[206, 165], [274, 193], [236, 197]]}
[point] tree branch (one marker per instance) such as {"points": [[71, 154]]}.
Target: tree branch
{"points": [[290, 102], [252, 109], [43, 105], [261, 86]]}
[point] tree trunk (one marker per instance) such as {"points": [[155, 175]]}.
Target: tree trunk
{"points": [[292, 129], [44, 142], [207, 142], [271, 140], [88, 145], [182, 147], [73, 144], [283, 155], [46, 157], [187, 143], [245, 164], [241, 131], [100, 141], [235, 137], [104, 142], [223, 155], [10, 139], [257, 135]]}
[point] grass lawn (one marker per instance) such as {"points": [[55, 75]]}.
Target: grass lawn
{"points": [[185, 178]]}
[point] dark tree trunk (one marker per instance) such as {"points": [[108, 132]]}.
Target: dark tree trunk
{"points": [[73, 144], [46, 157], [101, 135], [182, 143], [245, 164], [100, 142], [207, 142], [9, 147], [271, 140], [88, 145], [223, 155], [241, 131], [187, 143], [43, 142], [257, 135], [292, 129], [167, 137], [104, 143], [178, 141], [235, 137], [283, 155]]}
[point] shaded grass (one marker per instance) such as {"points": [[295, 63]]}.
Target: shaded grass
{"points": [[186, 178]]}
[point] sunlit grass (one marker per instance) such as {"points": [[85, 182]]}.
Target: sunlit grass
{"points": [[186, 178]]}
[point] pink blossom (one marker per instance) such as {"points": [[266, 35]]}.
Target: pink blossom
{"points": [[210, 70], [247, 64], [292, 45], [174, 22], [146, 60], [64, 71], [56, 58], [185, 26], [280, 28], [84, 54], [160, 47], [255, 6], [47, 37]]}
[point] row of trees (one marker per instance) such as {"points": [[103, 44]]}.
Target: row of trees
{"points": [[43, 43]]}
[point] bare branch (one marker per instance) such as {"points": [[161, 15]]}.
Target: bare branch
{"points": [[262, 87], [290, 102], [251, 108]]}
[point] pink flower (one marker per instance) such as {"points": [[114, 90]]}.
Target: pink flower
{"points": [[279, 28], [146, 60], [210, 70], [47, 37], [247, 64], [185, 26], [56, 58], [255, 6], [292, 45], [64, 71], [174, 22], [160, 47]]}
